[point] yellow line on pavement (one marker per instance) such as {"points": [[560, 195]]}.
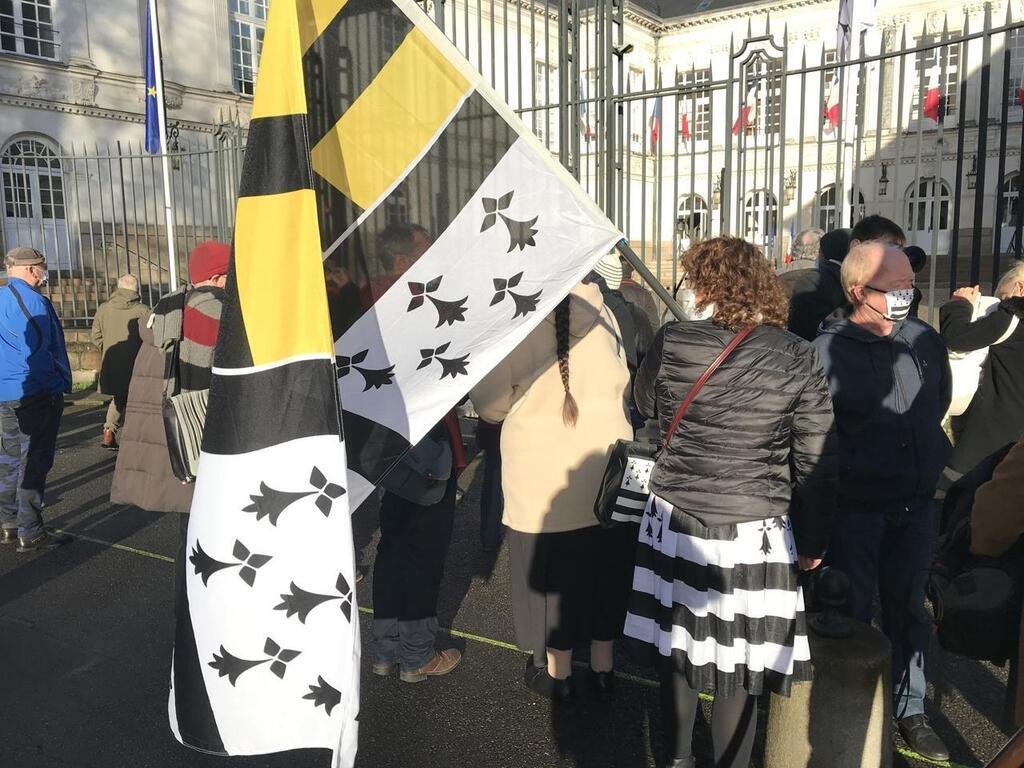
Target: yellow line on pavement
{"points": [[645, 681], [115, 545]]}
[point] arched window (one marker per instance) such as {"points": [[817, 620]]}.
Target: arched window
{"points": [[33, 197], [760, 215], [925, 200], [827, 214], [693, 219]]}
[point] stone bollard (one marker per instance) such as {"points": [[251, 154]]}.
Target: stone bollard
{"points": [[843, 717]]}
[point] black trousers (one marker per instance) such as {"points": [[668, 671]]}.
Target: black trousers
{"points": [[407, 576]]}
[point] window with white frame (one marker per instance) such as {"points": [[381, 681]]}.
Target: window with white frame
{"points": [[695, 105], [26, 27], [1011, 200], [928, 200], [33, 185], [637, 111], [248, 21], [396, 208], [936, 68], [827, 216], [1015, 86], [760, 214], [692, 219], [763, 81], [545, 94]]}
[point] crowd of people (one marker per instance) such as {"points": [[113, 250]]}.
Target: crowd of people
{"points": [[817, 431]]}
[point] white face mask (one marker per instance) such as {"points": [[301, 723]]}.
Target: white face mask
{"points": [[687, 298], [897, 303]]}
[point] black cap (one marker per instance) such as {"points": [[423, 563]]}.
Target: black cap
{"points": [[835, 245], [917, 257]]}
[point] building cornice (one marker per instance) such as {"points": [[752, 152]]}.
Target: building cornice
{"points": [[668, 26]]}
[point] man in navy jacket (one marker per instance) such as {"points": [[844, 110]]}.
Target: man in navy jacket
{"points": [[890, 383], [34, 375]]}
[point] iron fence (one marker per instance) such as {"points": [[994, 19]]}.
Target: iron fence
{"points": [[676, 137], [98, 212]]}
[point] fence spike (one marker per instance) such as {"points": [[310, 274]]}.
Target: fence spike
{"points": [[1009, 14]]}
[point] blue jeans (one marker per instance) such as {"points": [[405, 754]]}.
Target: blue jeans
{"points": [[28, 443], [407, 577], [891, 550]]}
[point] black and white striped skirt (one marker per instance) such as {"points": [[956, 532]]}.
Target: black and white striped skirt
{"points": [[722, 602]]}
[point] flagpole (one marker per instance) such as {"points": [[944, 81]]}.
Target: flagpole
{"points": [[158, 65], [626, 252]]}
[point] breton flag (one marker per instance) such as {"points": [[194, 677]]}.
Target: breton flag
{"points": [[655, 124], [831, 112], [935, 105], [748, 112], [449, 233], [154, 83]]}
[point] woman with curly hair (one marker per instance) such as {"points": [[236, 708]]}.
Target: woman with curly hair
{"points": [[742, 497]]}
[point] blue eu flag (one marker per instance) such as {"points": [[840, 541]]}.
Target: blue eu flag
{"points": [[152, 111]]}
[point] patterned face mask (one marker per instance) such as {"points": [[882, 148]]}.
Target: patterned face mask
{"points": [[897, 302], [687, 298]]}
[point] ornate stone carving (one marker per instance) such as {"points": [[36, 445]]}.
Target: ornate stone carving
{"points": [[84, 92], [172, 100]]}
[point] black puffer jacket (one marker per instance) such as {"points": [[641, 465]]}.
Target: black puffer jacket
{"points": [[758, 442]]}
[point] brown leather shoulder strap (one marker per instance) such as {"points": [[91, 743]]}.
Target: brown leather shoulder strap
{"points": [[697, 385]]}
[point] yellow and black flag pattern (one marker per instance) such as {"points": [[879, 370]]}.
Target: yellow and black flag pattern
{"points": [[398, 232]]}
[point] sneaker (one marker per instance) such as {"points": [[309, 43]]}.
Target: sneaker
{"points": [[921, 738], [442, 663], [384, 668], [45, 540], [8, 535], [109, 442]]}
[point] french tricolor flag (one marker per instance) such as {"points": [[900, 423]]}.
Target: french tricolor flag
{"points": [[831, 112], [748, 113], [935, 105], [655, 125]]}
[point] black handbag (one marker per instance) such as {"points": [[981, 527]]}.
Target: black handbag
{"points": [[625, 487]]}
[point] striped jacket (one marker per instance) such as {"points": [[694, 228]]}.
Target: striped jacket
{"points": [[198, 311]]}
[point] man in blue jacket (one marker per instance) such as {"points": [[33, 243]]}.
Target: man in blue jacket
{"points": [[34, 375], [891, 385]]}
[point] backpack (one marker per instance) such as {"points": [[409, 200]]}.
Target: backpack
{"points": [[976, 600]]}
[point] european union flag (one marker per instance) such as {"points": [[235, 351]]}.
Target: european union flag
{"points": [[152, 106]]}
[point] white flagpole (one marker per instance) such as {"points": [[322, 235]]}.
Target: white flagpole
{"points": [[154, 31], [848, 117]]}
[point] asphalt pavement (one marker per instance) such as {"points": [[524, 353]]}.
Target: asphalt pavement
{"points": [[86, 633]]}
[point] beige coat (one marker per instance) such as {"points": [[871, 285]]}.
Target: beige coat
{"points": [[550, 472]]}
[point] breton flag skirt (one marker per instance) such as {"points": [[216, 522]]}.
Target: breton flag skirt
{"points": [[723, 603]]}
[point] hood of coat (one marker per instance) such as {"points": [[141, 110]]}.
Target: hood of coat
{"points": [[122, 298], [586, 305], [1015, 305]]}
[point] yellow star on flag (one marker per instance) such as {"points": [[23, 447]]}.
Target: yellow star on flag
{"points": [[151, 91]]}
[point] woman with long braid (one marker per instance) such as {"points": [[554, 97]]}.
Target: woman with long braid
{"points": [[561, 396]]}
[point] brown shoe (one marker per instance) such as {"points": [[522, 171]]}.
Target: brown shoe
{"points": [[108, 440], [442, 663], [383, 668]]}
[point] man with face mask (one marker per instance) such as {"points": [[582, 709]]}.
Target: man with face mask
{"points": [[34, 375], [890, 383]]}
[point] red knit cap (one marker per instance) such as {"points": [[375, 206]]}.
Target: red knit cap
{"points": [[208, 259]]}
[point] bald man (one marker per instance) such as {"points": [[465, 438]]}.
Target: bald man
{"points": [[890, 382]]}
